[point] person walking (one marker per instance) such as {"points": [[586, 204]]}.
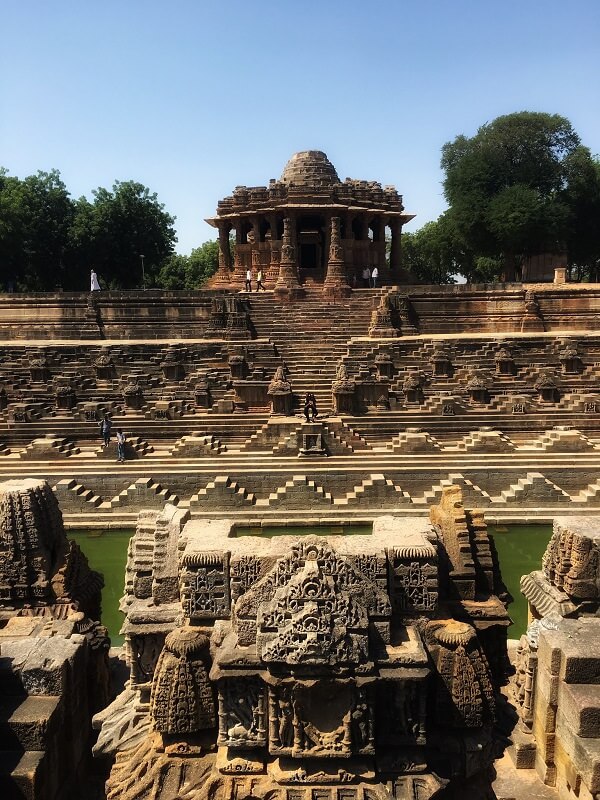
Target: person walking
{"points": [[248, 280], [374, 276], [259, 283], [94, 285], [105, 430], [120, 446], [366, 277]]}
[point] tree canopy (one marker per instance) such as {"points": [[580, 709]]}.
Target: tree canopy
{"points": [[48, 240], [523, 185], [189, 272]]}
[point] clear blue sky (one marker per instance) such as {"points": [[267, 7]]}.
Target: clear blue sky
{"points": [[193, 98]]}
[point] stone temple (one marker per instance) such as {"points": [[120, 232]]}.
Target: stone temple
{"points": [[268, 654], [307, 209]]}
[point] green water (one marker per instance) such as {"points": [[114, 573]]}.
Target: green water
{"points": [[520, 550], [106, 551]]}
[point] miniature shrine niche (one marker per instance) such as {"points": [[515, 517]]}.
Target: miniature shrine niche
{"points": [[365, 665]]}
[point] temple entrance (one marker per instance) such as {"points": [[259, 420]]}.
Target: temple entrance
{"points": [[311, 246], [308, 256]]}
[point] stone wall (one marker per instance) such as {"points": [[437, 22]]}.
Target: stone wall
{"points": [[156, 313]]}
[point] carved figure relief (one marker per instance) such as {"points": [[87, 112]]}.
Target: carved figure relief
{"points": [[242, 713], [205, 585]]}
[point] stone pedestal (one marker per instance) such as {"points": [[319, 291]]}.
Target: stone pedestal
{"points": [[171, 366], [202, 396], [343, 391], [532, 317], [65, 398], [238, 366]]}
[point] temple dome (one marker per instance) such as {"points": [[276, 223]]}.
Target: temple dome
{"points": [[309, 168]]}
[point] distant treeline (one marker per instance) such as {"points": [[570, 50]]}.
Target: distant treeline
{"points": [[50, 241], [524, 185]]}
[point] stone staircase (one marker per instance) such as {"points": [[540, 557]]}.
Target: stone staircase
{"points": [[197, 444], [144, 493], [70, 492], [562, 440], [534, 487], [49, 446], [312, 336]]}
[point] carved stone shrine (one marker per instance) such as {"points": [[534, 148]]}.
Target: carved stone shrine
{"points": [[296, 667]]}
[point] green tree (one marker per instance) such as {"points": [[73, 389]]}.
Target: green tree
{"points": [[583, 238], [35, 217], [190, 272], [116, 230], [428, 253], [514, 188]]}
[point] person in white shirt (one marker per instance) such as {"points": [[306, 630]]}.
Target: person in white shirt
{"points": [[374, 276], [259, 283], [248, 280], [366, 277], [94, 285]]}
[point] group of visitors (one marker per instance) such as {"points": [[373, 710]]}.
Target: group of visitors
{"points": [[310, 407], [259, 280], [105, 433], [370, 277]]}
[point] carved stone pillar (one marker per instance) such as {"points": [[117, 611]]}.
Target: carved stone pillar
{"points": [[238, 275], [239, 269], [273, 268], [287, 285], [395, 252], [223, 274], [336, 284]]}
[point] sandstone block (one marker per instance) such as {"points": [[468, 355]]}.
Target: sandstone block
{"points": [[43, 664], [28, 723], [579, 708], [547, 685], [581, 755], [577, 646]]}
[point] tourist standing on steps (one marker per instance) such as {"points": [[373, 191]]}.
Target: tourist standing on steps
{"points": [[259, 283], [248, 280], [120, 446], [94, 285], [105, 429], [374, 276], [366, 277]]}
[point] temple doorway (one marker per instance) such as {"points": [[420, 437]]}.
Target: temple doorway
{"points": [[311, 246], [308, 256]]}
